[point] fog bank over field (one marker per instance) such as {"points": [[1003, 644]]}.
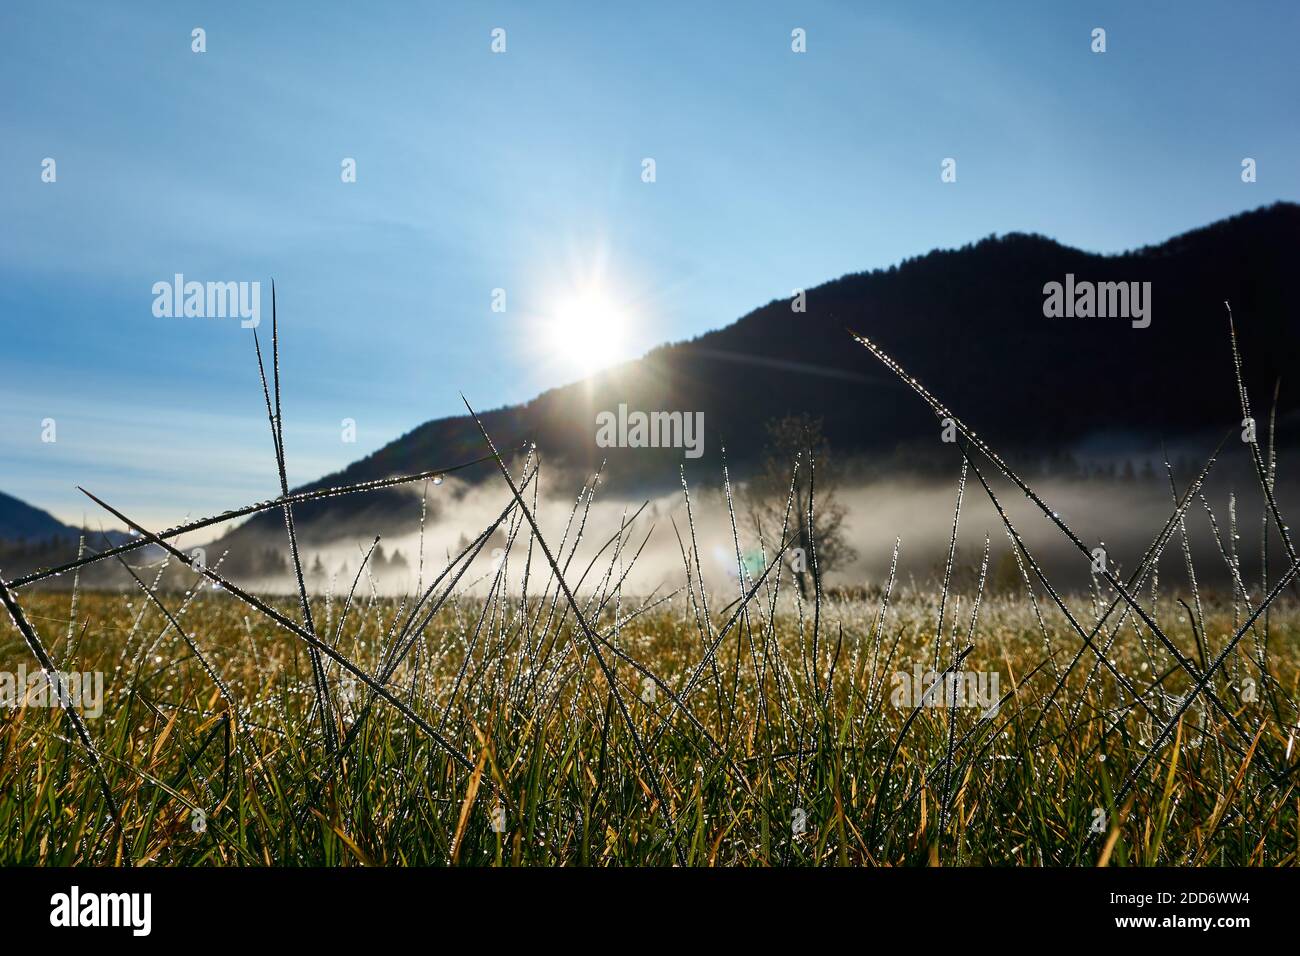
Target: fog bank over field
{"points": [[1124, 515]]}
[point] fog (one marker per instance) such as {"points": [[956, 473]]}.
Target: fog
{"points": [[1124, 516]]}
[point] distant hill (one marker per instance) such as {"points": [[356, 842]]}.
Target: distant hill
{"points": [[20, 521], [968, 322], [31, 539]]}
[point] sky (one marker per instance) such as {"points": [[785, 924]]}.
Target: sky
{"points": [[524, 171]]}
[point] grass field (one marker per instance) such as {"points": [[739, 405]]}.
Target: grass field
{"points": [[551, 765], [573, 722]]}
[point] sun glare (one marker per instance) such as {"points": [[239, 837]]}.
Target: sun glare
{"points": [[588, 330]]}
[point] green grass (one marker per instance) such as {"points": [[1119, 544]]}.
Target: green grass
{"points": [[1136, 726], [557, 757]]}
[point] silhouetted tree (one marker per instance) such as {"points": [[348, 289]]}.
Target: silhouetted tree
{"points": [[819, 544]]}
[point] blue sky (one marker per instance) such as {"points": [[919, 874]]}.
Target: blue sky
{"points": [[522, 171]]}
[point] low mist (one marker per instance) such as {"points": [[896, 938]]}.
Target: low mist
{"points": [[1124, 516]]}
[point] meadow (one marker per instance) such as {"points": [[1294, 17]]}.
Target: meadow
{"points": [[574, 722], [773, 758]]}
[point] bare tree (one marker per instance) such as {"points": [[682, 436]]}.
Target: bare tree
{"points": [[798, 451]]}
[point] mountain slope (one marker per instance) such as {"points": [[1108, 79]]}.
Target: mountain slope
{"points": [[969, 323], [20, 521]]}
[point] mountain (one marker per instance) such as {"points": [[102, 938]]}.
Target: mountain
{"points": [[31, 539], [969, 323], [20, 521]]}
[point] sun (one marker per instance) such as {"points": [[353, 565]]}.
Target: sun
{"points": [[587, 329]]}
